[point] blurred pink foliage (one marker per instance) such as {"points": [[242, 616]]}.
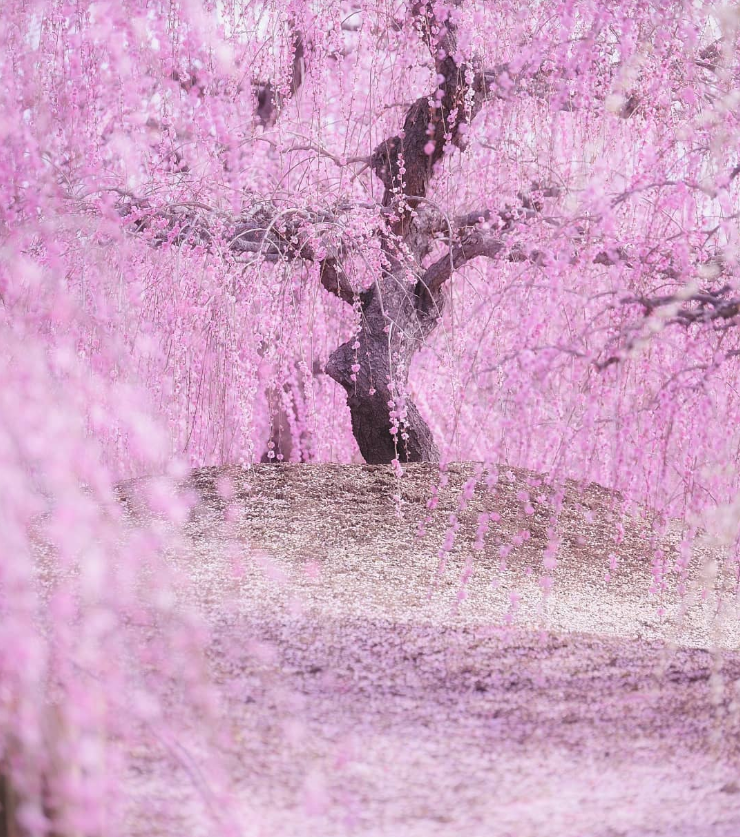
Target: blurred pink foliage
{"points": [[137, 338]]}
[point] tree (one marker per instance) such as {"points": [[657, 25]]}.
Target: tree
{"points": [[391, 254], [514, 233]]}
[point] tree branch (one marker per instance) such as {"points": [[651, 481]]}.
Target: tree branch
{"points": [[474, 245], [267, 232], [700, 308], [474, 241]]}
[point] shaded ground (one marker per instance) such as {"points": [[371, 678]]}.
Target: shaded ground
{"points": [[364, 696]]}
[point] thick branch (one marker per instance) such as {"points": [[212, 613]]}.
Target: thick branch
{"points": [[475, 244], [474, 241], [273, 235]]}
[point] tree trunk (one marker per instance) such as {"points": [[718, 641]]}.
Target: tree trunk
{"points": [[396, 320], [400, 311]]}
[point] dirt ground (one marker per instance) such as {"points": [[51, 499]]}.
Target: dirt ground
{"points": [[367, 693]]}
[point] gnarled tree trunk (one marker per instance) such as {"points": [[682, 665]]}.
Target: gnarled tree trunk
{"points": [[396, 320], [400, 311]]}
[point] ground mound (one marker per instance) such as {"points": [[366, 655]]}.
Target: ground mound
{"points": [[367, 693]]}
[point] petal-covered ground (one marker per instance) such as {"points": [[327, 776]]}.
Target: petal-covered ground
{"points": [[366, 692]]}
